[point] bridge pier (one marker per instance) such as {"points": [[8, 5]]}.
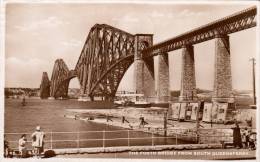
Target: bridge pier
{"points": [[144, 69], [188, 83], [223, 79], [162, 92], [45, 86]]}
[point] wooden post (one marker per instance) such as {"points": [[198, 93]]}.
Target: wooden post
{"points": [[104, 138], [128, 140], [77, 139], [152, 139], [197, 122], [51, 140], [176, 139], [165, 124], [211, 122]]}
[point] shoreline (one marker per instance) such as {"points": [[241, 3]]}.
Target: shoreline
{"points": [[185, 131]]}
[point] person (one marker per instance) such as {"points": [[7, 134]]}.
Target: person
{"points": [[22, 146], [237, 141], [124, 119], [108, 118], [6, 147], [252, 140], [37, 141], [246, 132], [244, 143], [142, 121], [23, 102]]}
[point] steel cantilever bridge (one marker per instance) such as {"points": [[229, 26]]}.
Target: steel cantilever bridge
{"points": [[108, 52]]}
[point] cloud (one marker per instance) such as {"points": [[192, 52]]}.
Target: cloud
{"points": [[189, 13], [24, 63], [156, 14], [72, 42], [24, 72], [126, 19], [50, 22]]}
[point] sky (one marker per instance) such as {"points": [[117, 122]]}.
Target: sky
{"points": [[38, 34]]}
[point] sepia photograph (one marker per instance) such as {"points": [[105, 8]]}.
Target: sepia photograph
{"points": [[129, 80]]}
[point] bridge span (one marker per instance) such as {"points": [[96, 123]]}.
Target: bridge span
{"points": [[108, 52]]}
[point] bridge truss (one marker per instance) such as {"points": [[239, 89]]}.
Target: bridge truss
{"points": [[107, 54], [239, 21]]}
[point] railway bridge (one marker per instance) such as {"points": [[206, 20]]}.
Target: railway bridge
{"points": [[108, 52]]}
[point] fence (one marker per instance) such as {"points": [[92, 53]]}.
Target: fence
{"points": [[113, 138]]}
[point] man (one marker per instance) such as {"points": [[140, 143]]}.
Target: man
{"points": [[37, 141], [237, 141], [22, 146]]}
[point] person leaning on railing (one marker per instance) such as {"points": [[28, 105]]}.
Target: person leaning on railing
{"points": [[37, 141]]}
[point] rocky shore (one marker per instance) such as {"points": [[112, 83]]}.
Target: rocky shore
{"points": [[154, 117]]}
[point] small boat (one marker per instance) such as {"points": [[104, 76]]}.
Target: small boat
{"points": [[142, 104], [135, 100], [23, 102]]}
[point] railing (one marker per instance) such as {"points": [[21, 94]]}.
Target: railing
{"points": [[113, 138]]}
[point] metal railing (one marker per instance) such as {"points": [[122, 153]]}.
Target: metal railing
{"points": [[113, 138]]}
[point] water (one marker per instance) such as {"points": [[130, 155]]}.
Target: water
{"points": [[49, 114]]}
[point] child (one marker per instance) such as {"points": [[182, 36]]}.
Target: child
{"points": [[22, 146], [252, 140], [244, 142]]}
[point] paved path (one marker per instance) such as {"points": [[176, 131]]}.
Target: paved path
{"points": [[206, 154]]}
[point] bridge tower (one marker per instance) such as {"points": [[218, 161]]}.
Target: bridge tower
{"points": [[144, 68], [59, 80], [45, 86]]}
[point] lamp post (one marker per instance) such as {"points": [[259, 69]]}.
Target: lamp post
{"points": [[253, 72]]}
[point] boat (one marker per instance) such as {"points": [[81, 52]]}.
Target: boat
{"points": [[23, 102], [142, 104], [84, 98], [134, 100]]}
